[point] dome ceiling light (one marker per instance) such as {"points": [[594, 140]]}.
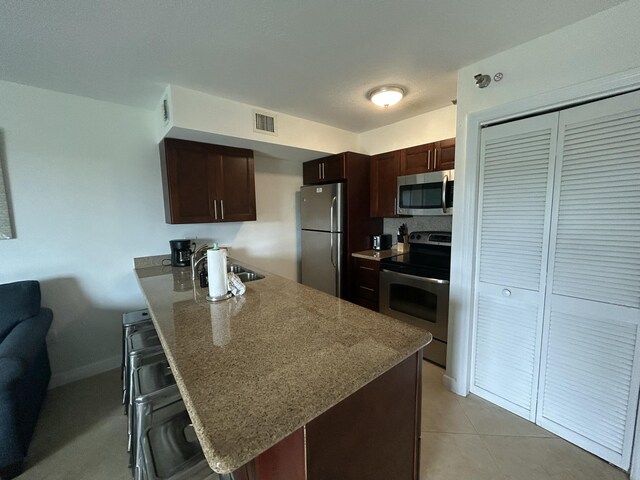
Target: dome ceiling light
{"points": [[386, 96]]}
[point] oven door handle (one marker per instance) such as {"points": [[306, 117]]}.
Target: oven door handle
{"points": [[416, 277]]}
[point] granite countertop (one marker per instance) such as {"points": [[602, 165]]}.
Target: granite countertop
{"points": [[255, 368], [377, 254]]}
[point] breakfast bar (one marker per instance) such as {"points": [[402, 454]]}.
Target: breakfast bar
{"points": [[288, 383]]}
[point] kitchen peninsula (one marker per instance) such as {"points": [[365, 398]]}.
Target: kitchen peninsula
{"points": [[289, 383]]}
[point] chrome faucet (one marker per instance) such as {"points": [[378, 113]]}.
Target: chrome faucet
{"points": [[196, 258]]}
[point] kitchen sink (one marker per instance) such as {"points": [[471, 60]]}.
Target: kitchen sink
{"points": [[236, 268], [244, 274], [247, 276]]}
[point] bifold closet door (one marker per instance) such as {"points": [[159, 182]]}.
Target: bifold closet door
{"points": [[589, 379], [516, 178]]}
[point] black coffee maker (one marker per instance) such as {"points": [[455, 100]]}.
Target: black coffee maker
{"points": [[181, 252]]}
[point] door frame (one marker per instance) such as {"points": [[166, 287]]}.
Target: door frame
{"points": [[461, 311]]}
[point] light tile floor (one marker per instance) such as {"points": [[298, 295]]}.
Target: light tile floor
{"points": [[81, 434], [472, 439]]}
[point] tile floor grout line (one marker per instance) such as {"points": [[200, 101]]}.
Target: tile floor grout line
{"points": [[495, 460], [459, 401]]}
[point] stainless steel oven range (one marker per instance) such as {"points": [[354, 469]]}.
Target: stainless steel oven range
{"points": [[414, 287]]}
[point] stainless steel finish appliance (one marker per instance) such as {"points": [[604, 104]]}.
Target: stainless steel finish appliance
{"points": [[323, 221], [382, 242], [414, 287], [181, 251], [426, 193]]}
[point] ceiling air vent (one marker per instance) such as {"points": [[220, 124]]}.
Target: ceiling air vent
{"points": [[165, 111], [265, 123]]}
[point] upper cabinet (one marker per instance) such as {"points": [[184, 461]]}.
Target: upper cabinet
{"points": [[206, 183], [429, 157], [324, 170], [417, 159], [444, 154], [385, 168]]}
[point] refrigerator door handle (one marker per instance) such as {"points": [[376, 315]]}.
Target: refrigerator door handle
{"points": [[336, 265], [333, 204], [331, 251]]}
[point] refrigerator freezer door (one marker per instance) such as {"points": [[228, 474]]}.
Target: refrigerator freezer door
{"points": [[322, 207], [322, 261]]}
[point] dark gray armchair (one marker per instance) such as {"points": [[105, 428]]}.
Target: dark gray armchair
{"points": [[24, 370]]}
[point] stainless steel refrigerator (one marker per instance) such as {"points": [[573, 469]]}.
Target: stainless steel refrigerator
{"points": [[322, 220]]}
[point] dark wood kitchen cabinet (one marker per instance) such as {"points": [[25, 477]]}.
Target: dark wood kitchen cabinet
{"points": [[205, 183], [430, 157], [385, 168], [366, 283], [417, 159], [325, 170], [373, 434], [444, 154]]}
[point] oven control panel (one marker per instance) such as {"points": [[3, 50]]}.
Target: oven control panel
{"points": [[430, 238]]}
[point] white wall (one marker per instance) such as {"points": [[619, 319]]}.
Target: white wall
{"points": [[426, 128], [197, 111], [85, 189], [582, 60]]}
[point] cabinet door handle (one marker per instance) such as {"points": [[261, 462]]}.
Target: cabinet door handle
{"points": [[320, 171], [323, 170], [222, 208], [429, 158], [435, 158], [215, 210], [367, 288], [366, 268]]}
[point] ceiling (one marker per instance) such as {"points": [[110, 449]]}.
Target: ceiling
{"points": [[314, 59]]}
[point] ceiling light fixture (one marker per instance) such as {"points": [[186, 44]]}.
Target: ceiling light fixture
{"points": [[386, 96]]}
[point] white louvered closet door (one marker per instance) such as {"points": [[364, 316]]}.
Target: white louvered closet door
{"points": [[516, 179], [589, 381]]}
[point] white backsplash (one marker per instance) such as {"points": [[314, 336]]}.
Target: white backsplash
{"points": [[436, 223]]}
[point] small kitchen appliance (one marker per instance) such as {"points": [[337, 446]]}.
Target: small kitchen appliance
{"points": [[426, 193], [181, 251], [382, 242]]}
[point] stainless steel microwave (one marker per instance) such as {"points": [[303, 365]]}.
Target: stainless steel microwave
{"points": [[426, 193]]}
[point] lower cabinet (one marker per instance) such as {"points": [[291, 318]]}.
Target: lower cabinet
{"points": [[373, 434], [366, 282]]}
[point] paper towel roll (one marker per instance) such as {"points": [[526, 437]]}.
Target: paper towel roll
{"points": [[217, 269]]}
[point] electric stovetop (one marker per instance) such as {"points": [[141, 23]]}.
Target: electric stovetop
{"points": [[429, 256]]}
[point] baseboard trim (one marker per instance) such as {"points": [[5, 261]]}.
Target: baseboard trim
{"points": [[450, 383], [85, 371]]}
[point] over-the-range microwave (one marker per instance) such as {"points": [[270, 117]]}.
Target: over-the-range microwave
{"points": [[426, 193]]}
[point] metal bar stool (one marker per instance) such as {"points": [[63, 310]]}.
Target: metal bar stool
{"points": [[143, 337], [148, 353], [131, 321], [151, 372], [167, 446]]}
